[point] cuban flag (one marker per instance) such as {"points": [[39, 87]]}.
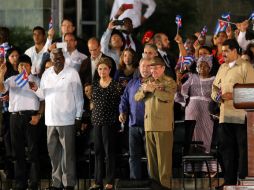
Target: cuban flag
{"points": [[22, 79], [252, 16], [204, 31], [178, 21], [185, 62], [6, 46], [226, 16], [220, 26], [2, 52], [51, 23], [218, 96]]}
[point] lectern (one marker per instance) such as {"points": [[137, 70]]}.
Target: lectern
{"points": [[243, 97]]}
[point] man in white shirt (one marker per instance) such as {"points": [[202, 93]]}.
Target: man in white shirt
{"points": [[73, 58], [134, 12], [62, 90], [68, 26], [25, 112], [40, 47], [241, 38]]}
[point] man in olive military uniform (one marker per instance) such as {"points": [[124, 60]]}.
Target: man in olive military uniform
{"points": [[158, 93]]}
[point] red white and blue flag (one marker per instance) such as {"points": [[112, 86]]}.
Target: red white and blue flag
{"points": [[184, 62], [218, 96], [51, 23], [178, 21], [22, 79], [2, 52], [187, 60], [222, 24], [204, 31], [226, 16]]}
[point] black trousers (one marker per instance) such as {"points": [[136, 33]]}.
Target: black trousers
{"points": [[23, 135], [233, 139], [8, 166], [104, 141]]}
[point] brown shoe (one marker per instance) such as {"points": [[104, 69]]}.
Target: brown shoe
{"points": [[96, 187], [108, 187]]}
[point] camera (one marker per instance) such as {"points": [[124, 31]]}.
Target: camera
{"points": [[118, 22]]}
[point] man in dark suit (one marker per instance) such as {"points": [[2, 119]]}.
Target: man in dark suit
{"points": [[130, 39], [88, 70], [67, 26], [163, 45]]}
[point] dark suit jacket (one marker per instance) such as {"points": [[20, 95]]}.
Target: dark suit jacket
{"points": [[85, 72], [170, 69], [138, 45]]}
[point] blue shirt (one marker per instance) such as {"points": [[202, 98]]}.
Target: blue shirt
{"points": [[128, 105]]}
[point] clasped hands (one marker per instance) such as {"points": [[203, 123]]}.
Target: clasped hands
{"points": [[151, 87]]}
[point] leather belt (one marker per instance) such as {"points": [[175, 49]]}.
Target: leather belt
{"points": [[26, 112]]}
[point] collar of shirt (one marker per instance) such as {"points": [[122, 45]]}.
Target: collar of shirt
{"points": [[73, 53], [160, 78], [97, 58], [162, 52], [232, 64], [52, 70], [132, 44]]}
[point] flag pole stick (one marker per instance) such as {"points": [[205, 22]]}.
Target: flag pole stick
{"points": [[227, 22]]}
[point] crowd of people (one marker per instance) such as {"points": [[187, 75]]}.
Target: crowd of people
{"points": [[122, 94]]}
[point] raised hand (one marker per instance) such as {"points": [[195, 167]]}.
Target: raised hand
{"points": [[51, 33]]}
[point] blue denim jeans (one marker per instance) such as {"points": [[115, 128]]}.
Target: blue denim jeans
{"points": [[136, 148]]}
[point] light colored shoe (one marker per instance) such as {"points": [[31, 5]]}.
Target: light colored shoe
{"points": [[108, 187]]}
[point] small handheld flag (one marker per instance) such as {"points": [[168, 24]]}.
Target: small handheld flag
{"points": [[218, 96], [178, 21], [220, 26], [204, 31], [50, 23], [251, 16], [202, 34], [226, 16], [2, 53], [22, 79], [185, 61]]}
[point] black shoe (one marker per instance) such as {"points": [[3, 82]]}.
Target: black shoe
{"points": [[32, 188], [96, 187], [69, 188]]}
